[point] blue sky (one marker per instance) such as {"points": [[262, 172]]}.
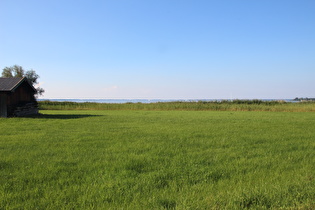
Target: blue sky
{"points": [[166, 49]]}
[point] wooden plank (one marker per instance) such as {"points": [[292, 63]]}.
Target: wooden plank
{"points": [[3, 105]]}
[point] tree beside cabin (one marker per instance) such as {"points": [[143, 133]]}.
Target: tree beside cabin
{"points": [[17, 97]]}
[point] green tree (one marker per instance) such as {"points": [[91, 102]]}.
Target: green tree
{"points": [[18, 71], [7, 72]]}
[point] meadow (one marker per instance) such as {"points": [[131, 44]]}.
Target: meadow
{"points": [[158, 159]]}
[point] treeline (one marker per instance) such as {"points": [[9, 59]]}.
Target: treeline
{"points": [[225, 105], [304, 99]]}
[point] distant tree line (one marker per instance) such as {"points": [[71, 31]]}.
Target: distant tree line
{"points": [[304, 99]]}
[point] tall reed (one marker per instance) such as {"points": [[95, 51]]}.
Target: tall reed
{"points": [[225, 105]]}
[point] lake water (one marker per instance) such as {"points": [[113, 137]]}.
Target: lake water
{"points": [[121, 101]]}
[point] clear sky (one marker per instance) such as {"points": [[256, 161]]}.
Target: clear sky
{"points": [[166, 49]]}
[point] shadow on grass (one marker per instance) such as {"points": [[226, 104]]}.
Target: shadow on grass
{"points": [[60, 116]]}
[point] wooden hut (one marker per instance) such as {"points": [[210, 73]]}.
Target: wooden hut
{"points": [[17, 97]]}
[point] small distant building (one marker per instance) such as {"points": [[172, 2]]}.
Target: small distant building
{"points": [[17, 97]]}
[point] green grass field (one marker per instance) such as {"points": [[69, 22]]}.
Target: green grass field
{"points": [[137, 159]]}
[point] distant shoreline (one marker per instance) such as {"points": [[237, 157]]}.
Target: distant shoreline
{"points": [[122, 101]]}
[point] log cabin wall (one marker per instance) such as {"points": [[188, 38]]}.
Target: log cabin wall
{"points": [[22, 94], [21, 101], [3, 105]]}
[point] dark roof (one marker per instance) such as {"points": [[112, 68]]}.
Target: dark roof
{"points": [[10, 84]]}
